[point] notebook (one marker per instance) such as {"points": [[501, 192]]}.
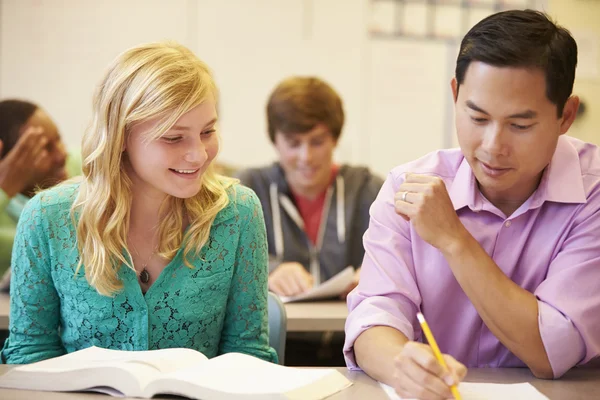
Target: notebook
{"points": [[487, 391], [182, 372]]}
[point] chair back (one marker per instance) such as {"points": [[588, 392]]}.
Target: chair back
{"points": [[277, 326]]}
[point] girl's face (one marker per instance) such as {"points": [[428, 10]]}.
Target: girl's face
{"points": [[174, 163]]}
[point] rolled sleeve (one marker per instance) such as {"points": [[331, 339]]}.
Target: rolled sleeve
{"points": [[387, 294], [562, 341], [569, 299], [375, 311]]}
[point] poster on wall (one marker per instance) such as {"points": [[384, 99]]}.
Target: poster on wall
{"points": [[437, 20]]}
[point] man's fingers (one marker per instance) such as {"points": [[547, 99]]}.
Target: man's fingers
{"points": [[409, 388], [404, 209], [419, 178], [423, 356], [426, 379], [457, 369], [411, 189]]}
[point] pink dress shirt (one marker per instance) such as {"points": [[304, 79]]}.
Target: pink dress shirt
{"points": [[550, 246]]}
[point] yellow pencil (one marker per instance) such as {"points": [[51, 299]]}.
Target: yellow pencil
{"points": [[436, 351]]}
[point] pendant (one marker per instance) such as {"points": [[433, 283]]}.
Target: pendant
{"points": [[145, 276]]}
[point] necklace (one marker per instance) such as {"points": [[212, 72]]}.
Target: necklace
{"points": [[144, 274]]}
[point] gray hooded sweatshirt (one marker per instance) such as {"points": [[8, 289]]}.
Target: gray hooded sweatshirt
{"points": [[344, 220]]}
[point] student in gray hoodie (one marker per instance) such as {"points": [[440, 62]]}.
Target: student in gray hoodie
{"points": [[316, 211]]}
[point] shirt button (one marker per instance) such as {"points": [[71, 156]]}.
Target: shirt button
{"points": [[508, 224]]}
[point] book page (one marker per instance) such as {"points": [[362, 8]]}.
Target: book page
{"points": [[252, 377], [117, 372], [487, 391], [330, 288], [164, 361]]}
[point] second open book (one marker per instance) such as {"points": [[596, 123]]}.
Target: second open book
{"points": [[332, 287], [182, 372]]}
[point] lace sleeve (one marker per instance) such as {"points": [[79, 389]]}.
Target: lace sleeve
{"points": [[34, 302], [246, 328]]}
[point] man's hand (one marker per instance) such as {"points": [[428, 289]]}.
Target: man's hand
{"points": [[25, 163], [418, 374], [290, 279], [424, 201]]}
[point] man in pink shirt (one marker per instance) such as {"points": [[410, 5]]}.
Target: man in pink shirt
{"points": [[498, 243]]}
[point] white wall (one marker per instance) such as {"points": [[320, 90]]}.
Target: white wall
{"points": [[396, 92], [582, 17]]}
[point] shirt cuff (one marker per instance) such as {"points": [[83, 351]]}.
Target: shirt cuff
{"points": [[375, 311], [563, 343]]}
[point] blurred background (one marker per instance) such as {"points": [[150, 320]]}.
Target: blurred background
{"points": [[391, 61]]}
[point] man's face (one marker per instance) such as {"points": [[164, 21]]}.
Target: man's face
{"points": [[306, 158], [507, 128]]}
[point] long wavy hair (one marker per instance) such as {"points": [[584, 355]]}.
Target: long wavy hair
{"points": [[163, 80]]}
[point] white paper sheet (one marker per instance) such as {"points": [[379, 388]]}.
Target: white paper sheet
{"points": [[330, 288], [487, 391]]}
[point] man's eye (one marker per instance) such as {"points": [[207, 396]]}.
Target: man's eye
{"points": [[478, 120]]}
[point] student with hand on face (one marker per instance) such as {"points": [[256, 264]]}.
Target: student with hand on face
{"points": [[32, 156], [498, 242], [151, 249], [316, 211]]}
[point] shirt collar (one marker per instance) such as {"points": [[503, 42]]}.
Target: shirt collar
{"points": [[562, 181], [463, 191]]}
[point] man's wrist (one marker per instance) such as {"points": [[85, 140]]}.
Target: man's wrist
{"points": [[457, 244]]}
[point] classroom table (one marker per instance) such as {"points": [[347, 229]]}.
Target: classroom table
{"points": [[577, 384], [316, 316], [302, 317]]}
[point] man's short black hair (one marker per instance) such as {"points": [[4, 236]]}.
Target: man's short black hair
{"points": [[523, 38]]}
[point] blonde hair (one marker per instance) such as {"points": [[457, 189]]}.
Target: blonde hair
{"points": [[163, 80]]}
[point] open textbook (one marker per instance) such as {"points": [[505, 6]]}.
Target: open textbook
{"points": [[487, 391], [181, 372], [332, 287]]}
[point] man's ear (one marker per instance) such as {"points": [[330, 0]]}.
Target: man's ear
{"points": [[569, 113], [454, 86]]}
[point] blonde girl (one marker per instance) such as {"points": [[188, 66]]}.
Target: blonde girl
{"points": [[151, 249]]}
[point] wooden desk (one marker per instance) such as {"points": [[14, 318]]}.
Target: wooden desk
{"points": [[316, 316], [4, 310], [302, 317], [578, 384]]}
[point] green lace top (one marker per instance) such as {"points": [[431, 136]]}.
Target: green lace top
{"points": [[217, 307]]}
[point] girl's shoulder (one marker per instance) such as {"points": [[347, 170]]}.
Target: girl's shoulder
{"points": [[243, 202], [57, 198]]}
